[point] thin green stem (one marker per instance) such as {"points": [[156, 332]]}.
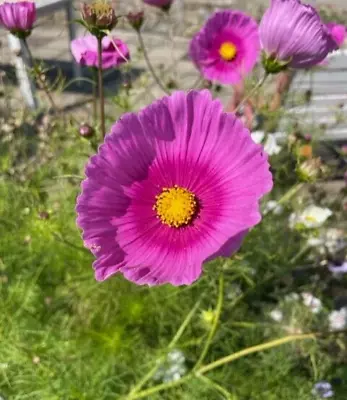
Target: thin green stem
{"points": [[95, 95], [149, 64], [224, 360], [255, 349], [290, 193], [297, 256], [39, 78], [118, 49], [171, 345], [216, 386], [252, 92], [101, 89], [215, 322], [159, 388], [184, 325]]}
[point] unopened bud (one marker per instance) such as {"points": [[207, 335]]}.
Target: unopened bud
{"points": [[136, 19], [310, 170], [85, 130], [98, 17]]}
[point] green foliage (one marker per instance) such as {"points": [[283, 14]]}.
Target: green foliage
{"points": [[65, 336]]}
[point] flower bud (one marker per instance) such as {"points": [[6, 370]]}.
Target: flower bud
{"points": [[98, 16], [85, 130], [310, 170], [43, 215], [136, 19], [305, 151]]}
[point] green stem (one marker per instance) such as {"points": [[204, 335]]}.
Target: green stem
{"points": [[290, 193], [171, 345], [149, 64], [159, 388], [95, 95], [216, 386], [252, 92], [215, 322], [255, 349], [101, 89], [297, 256], [118, 49], [38, 76], [222, 361]]}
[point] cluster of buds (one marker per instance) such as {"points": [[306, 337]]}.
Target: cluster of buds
{"points": [[98, 17], [310, 170]]}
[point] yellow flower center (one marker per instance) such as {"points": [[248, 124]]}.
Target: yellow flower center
{"points": [[101, 8], [310, 218], [228, 51], [175, 206]]}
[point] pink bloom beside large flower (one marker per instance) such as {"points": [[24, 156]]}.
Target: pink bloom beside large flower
{"points": [[338, 32], [173, 186], [227, 48], [18, 17], [293, 32], [84, 50]]}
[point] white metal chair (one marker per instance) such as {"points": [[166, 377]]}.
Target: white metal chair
{"points": [[20, 59]]}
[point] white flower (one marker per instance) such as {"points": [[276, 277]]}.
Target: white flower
{"points": [[323, 390], [272, 205], [291, 297], [276, 315], [331, 240], [315, 241], [338, 270], [173, 368], [311, 217], [311, 302], [176, 356], [338, 319], [271, 147]]}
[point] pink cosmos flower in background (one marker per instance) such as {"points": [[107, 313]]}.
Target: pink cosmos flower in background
{"points": [[173, 186], [338, 32], [227, 48], [293, 33], [84, 50], [18, 17], [164, 4]]}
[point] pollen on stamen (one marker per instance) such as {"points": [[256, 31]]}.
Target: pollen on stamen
{"points": [[175, 206]]}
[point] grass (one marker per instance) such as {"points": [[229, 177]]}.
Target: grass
{"points": [[65, 336]]}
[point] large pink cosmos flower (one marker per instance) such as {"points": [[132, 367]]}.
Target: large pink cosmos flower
{"points": [[173, 186], [227, 47], [85, 51], [18, 17], [293, 33]]}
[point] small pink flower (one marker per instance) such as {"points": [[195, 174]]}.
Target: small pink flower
{"points": [[84, 50], [164, 4], [18, 17], [227, 47], [172, 187], [338, 32], [292, 34]]}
